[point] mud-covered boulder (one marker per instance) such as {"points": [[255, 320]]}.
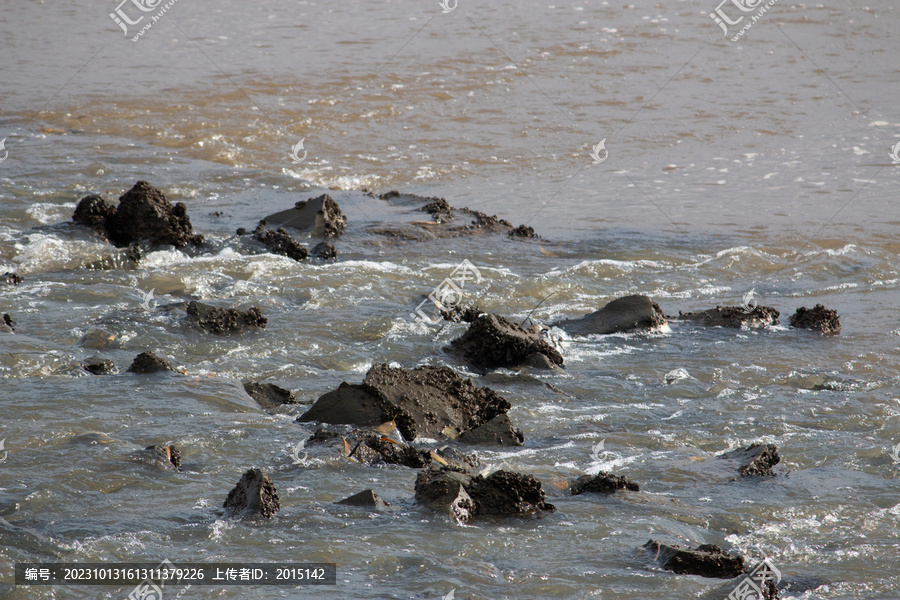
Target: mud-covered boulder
{"points": [[223, 321], [280, 242], [502, 493], [493, 342], [706, 560], [317, 217], [324, 251], [426, 401], [602, 483], [734, 316], [148, 362], [754, 460], [818, 318], [629, 313], [143, 214], [10, 278], [254, 494], [99, 366], [268, 395], [366, 499]]}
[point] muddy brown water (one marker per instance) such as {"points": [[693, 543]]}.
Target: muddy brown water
{"points": [[736, 171]]}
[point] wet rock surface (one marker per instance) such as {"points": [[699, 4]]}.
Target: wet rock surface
{"points": [[317, 217], [502, 493], [224, 321], [279, 242], [143, 214], [10, 278], [366, 499], [493, 341], [7, 322], [818, 318], [99, 366], [755, 460], [98, 339], [629, 313], [254, 495], [705, 560], [269, 395], [148, 362], [427, 401], [167, 457], [324, 251], [602, 483], [734, 316]]}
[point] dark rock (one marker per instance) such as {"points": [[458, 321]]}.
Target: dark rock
{"points": [[461, 314], [222, 321], [242, 231], [602, 483], [254, 494], [318, 217], [7, 320], [502, 493], [377, 450], [147, 362], [269, 395], [367, 499], [280, 242], [168, 456], [323, 436], [429, 401], [11, 278], [99, 366], [706, 560], [325, 251], [499, 431], [134, 253], [493, 341], [97, 339], [734, 316], [756, 459], [523, 231], [819, 318], [629, 313], [143, 213]]}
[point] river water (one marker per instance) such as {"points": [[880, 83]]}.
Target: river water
{"points": [[729, 167]]}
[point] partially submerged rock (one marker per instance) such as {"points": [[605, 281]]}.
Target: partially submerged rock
{"points": [[222, 321], [818, 318], [7, 322], [756, 459], [254, 494], [280, 242], [366, 499], [428, 401], [143, 214], [148, 362], [11, 278], [269, 395], [98, 339], [502, 493], [499, 431], [317, 217], [377, 450], [325, 251], [168, 457], [99, 366], [706, 560], [734, 316], [629, 313], [602, 483], [493, 341]]}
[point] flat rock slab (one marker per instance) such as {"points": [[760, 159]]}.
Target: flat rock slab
{"points": [[427, 401], [223, 321], [706, 560], [148, 362], [254, 494], [502, 493], [143, 214], [629, 313], [755, 460], [366, 499], [493, 342], [602, 483], [734, 316], [269, 395], [316, 217], [818, 318]]}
